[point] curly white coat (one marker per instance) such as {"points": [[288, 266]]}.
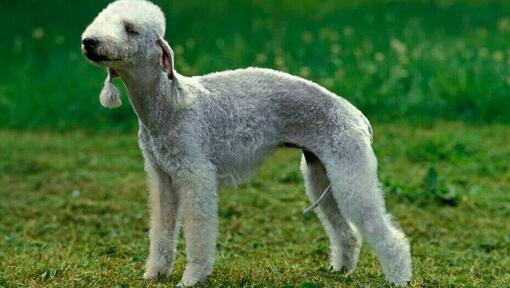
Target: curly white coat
{"points": [[198, 132]]}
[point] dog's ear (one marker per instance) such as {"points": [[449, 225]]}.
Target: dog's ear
{"points": [[110, 95], [167, 59], [178, 97]]}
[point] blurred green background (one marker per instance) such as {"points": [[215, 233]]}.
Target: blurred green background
{"points": [[432, 76], [413, 60]]}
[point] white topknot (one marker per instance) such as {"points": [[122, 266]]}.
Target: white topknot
{"points": [[143, 12]]}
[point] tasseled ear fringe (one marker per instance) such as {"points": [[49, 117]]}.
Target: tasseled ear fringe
{"points": [[110, 95]]}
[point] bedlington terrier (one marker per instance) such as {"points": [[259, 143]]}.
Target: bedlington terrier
{"points": [[198, 132]]}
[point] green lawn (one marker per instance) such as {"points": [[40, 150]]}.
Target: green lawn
{"points": [[73, 213], [434, 75], [417, 59]]}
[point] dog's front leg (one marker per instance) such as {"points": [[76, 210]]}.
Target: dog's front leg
{"points": [[200, 215], [164, 202]]}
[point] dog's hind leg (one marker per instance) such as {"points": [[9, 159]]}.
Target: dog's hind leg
{"points": [[352, 168], [164, 227], [345, 242]]}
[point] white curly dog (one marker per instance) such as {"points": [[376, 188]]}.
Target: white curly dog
{"points": [[198, 132]]}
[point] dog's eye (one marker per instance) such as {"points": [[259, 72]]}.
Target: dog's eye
{"points": [[130, 30]]}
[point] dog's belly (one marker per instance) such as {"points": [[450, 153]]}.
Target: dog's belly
{"points": [[236, 161]]}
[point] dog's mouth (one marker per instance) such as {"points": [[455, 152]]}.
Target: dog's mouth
{"points": [[94, 57], [113, 73], [101, 59]]}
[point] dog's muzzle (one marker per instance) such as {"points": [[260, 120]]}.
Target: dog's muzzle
{"points": [[89, 46]]}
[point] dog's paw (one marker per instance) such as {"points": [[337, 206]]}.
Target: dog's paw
{"points": [[342, 269], [155, 271], [399, 278], [187, 283], [152, 275], [194, 274]]}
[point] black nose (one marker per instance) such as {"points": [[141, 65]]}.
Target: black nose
{"points": [[90, 43]]}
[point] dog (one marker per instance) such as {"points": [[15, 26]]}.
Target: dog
{"points": [[196, 133]]}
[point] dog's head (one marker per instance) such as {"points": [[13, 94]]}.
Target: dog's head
{"points": [[127, 34]]}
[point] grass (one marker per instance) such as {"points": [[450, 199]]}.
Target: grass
{"points": [[73, 207], [419, 60], [74, 214]]}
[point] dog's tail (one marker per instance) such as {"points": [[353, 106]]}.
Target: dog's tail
{"points": [[316, 180]]}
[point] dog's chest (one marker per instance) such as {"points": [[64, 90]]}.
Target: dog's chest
{"points": [[165, 151]]}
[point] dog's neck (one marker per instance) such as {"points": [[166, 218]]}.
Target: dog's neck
{"points": [[149, 91]]}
